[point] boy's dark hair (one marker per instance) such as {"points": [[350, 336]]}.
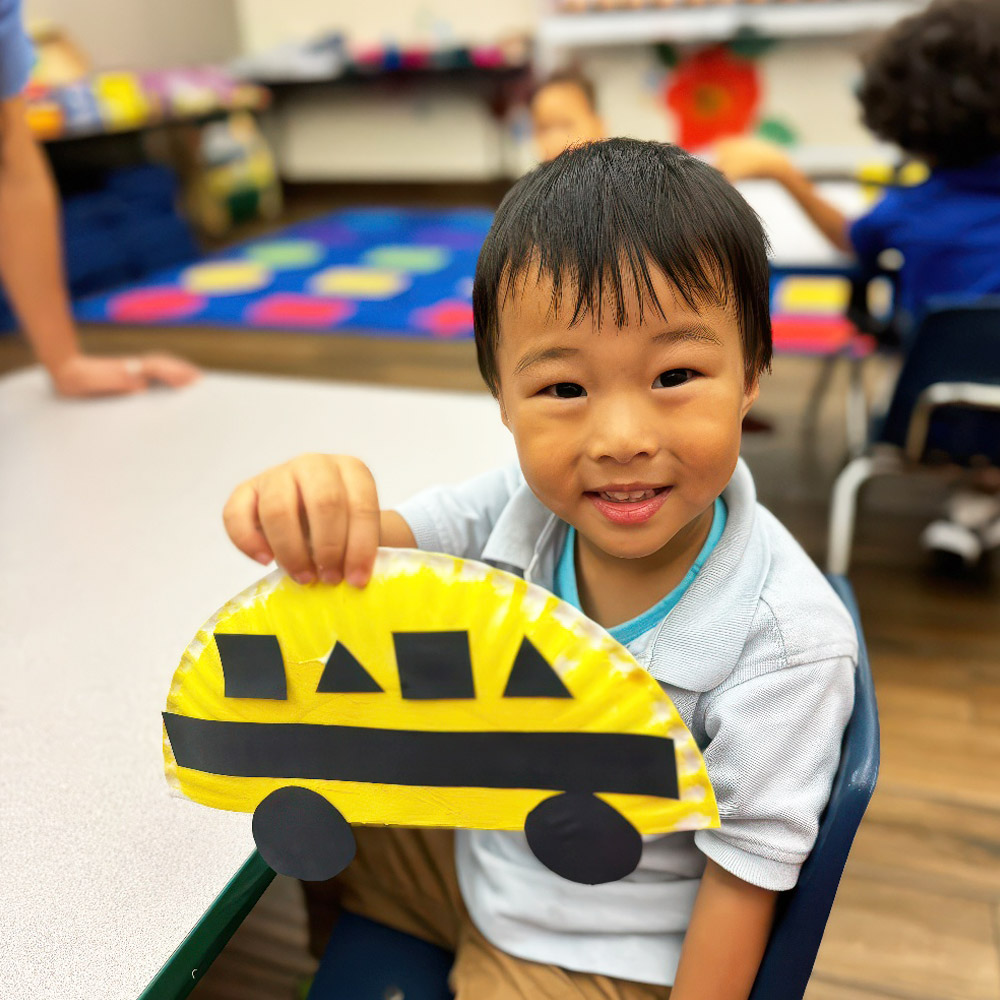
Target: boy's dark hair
{"points": [[932, 83], [600, 217], [572, 78]]}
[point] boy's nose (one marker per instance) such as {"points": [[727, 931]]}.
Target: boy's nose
{"points": [[621, 433]]}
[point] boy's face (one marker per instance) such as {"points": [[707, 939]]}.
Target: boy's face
{"points": [[627, 434], [562, 116]]}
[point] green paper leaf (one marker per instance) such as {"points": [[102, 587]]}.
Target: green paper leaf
{"points": [[667, 55], [749, 45], [777, 131]]}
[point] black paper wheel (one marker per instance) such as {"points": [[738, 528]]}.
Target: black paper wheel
{"points": [[300, 834], [583, 839]]}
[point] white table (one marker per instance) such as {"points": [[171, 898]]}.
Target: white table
{"points": [[796, 244], [113, 555]]}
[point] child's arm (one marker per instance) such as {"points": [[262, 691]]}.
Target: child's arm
{"points": [[742, 159], [317, 516], [725, 940]]}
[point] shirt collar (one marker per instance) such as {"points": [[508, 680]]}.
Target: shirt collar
{"points": [[698, 644]]}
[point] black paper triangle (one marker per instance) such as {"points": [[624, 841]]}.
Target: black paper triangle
{"points": [[344, 674], [533, 677]]}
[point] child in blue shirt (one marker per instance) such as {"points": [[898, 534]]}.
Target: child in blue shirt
{"points": [[930, 86], [621, 318]]}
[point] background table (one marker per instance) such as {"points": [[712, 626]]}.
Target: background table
{"points": [[113, 555], [797, 246]]}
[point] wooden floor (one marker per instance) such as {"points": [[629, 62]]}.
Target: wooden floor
{"points": [[918, 913]]}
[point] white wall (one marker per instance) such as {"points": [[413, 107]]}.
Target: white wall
{"points": [[264, 23], [354, 133], [145, 34]]}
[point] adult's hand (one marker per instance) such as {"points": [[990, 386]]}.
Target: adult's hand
{"points": [[87, 375]]}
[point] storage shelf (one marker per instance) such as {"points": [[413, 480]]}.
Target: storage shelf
{"points": [[824, 17]]}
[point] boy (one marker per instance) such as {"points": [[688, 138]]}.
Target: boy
{"points": [[621, 315], [930, 86], [564, 113]]}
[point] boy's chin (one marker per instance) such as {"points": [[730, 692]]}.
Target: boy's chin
{"points": [[641, 545]]}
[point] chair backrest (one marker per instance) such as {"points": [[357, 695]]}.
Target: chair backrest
{"points": [[956, 342], [803, 911]]}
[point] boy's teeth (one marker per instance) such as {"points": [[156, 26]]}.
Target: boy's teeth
{"points": [[632, 497]]}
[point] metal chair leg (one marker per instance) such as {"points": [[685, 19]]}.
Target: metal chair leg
{"points": [[856, 409], [843, 507], [821, 385]]}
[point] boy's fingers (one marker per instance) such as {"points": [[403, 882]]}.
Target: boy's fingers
{"points": [[325, 501], [240, 518], [363, 530], [281, 521]]}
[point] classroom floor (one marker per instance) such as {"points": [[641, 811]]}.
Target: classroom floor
{"points": [[918, 912]]}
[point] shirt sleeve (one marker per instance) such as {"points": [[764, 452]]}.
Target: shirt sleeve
{"points": [[16, 53], [774, 749], [458, 519]]}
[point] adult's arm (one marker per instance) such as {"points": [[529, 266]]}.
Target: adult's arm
{"points": [[31, 268]]}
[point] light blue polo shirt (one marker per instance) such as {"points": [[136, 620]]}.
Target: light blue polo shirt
{"points": [[16, 53], [566, 589], [757, 655]]}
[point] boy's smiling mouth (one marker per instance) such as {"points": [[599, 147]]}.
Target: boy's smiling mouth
{"points": [[628, 503]]}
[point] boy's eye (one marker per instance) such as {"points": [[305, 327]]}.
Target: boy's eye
{"points": [[674, 377], [565, 390]]}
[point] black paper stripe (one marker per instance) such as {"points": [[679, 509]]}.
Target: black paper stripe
{"points": [[626, 763]]}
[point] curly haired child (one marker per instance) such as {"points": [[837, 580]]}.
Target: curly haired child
{"points": [[930, 85]]}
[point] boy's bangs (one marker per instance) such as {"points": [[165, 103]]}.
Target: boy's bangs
{"points": [[620, 286]]}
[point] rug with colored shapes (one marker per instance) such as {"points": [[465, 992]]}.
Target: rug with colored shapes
{"points": [[384, 272], [393, 273]]}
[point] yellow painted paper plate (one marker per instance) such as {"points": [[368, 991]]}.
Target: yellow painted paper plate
{"points": [[446, 693]]}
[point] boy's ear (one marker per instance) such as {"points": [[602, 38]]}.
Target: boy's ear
{"points": [[750, 394]]}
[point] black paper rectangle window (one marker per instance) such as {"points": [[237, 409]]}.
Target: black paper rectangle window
{"points": [[252, 666], [434, 664]]}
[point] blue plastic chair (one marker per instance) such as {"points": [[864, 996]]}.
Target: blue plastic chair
{"points": [[946, 403], [803, 912], [365, 960]]}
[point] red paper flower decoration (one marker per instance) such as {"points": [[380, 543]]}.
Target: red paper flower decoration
{"points": [[713, 94]]}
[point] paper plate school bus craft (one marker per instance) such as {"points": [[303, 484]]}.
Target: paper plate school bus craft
{"points": [[444, 694]]}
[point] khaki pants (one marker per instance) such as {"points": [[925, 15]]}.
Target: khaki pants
{"points": [[406, 880]]}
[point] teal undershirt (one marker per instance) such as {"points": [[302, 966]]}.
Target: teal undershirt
{"points": [[565, 581]]}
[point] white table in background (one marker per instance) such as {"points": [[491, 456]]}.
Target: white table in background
{"points": [[797, 246]]}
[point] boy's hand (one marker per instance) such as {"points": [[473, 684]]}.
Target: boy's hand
{"points": [[317, 516], [742, 159]]}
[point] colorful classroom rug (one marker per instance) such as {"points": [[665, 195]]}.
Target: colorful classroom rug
{"points": [[386, 272], [380, 272]]}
